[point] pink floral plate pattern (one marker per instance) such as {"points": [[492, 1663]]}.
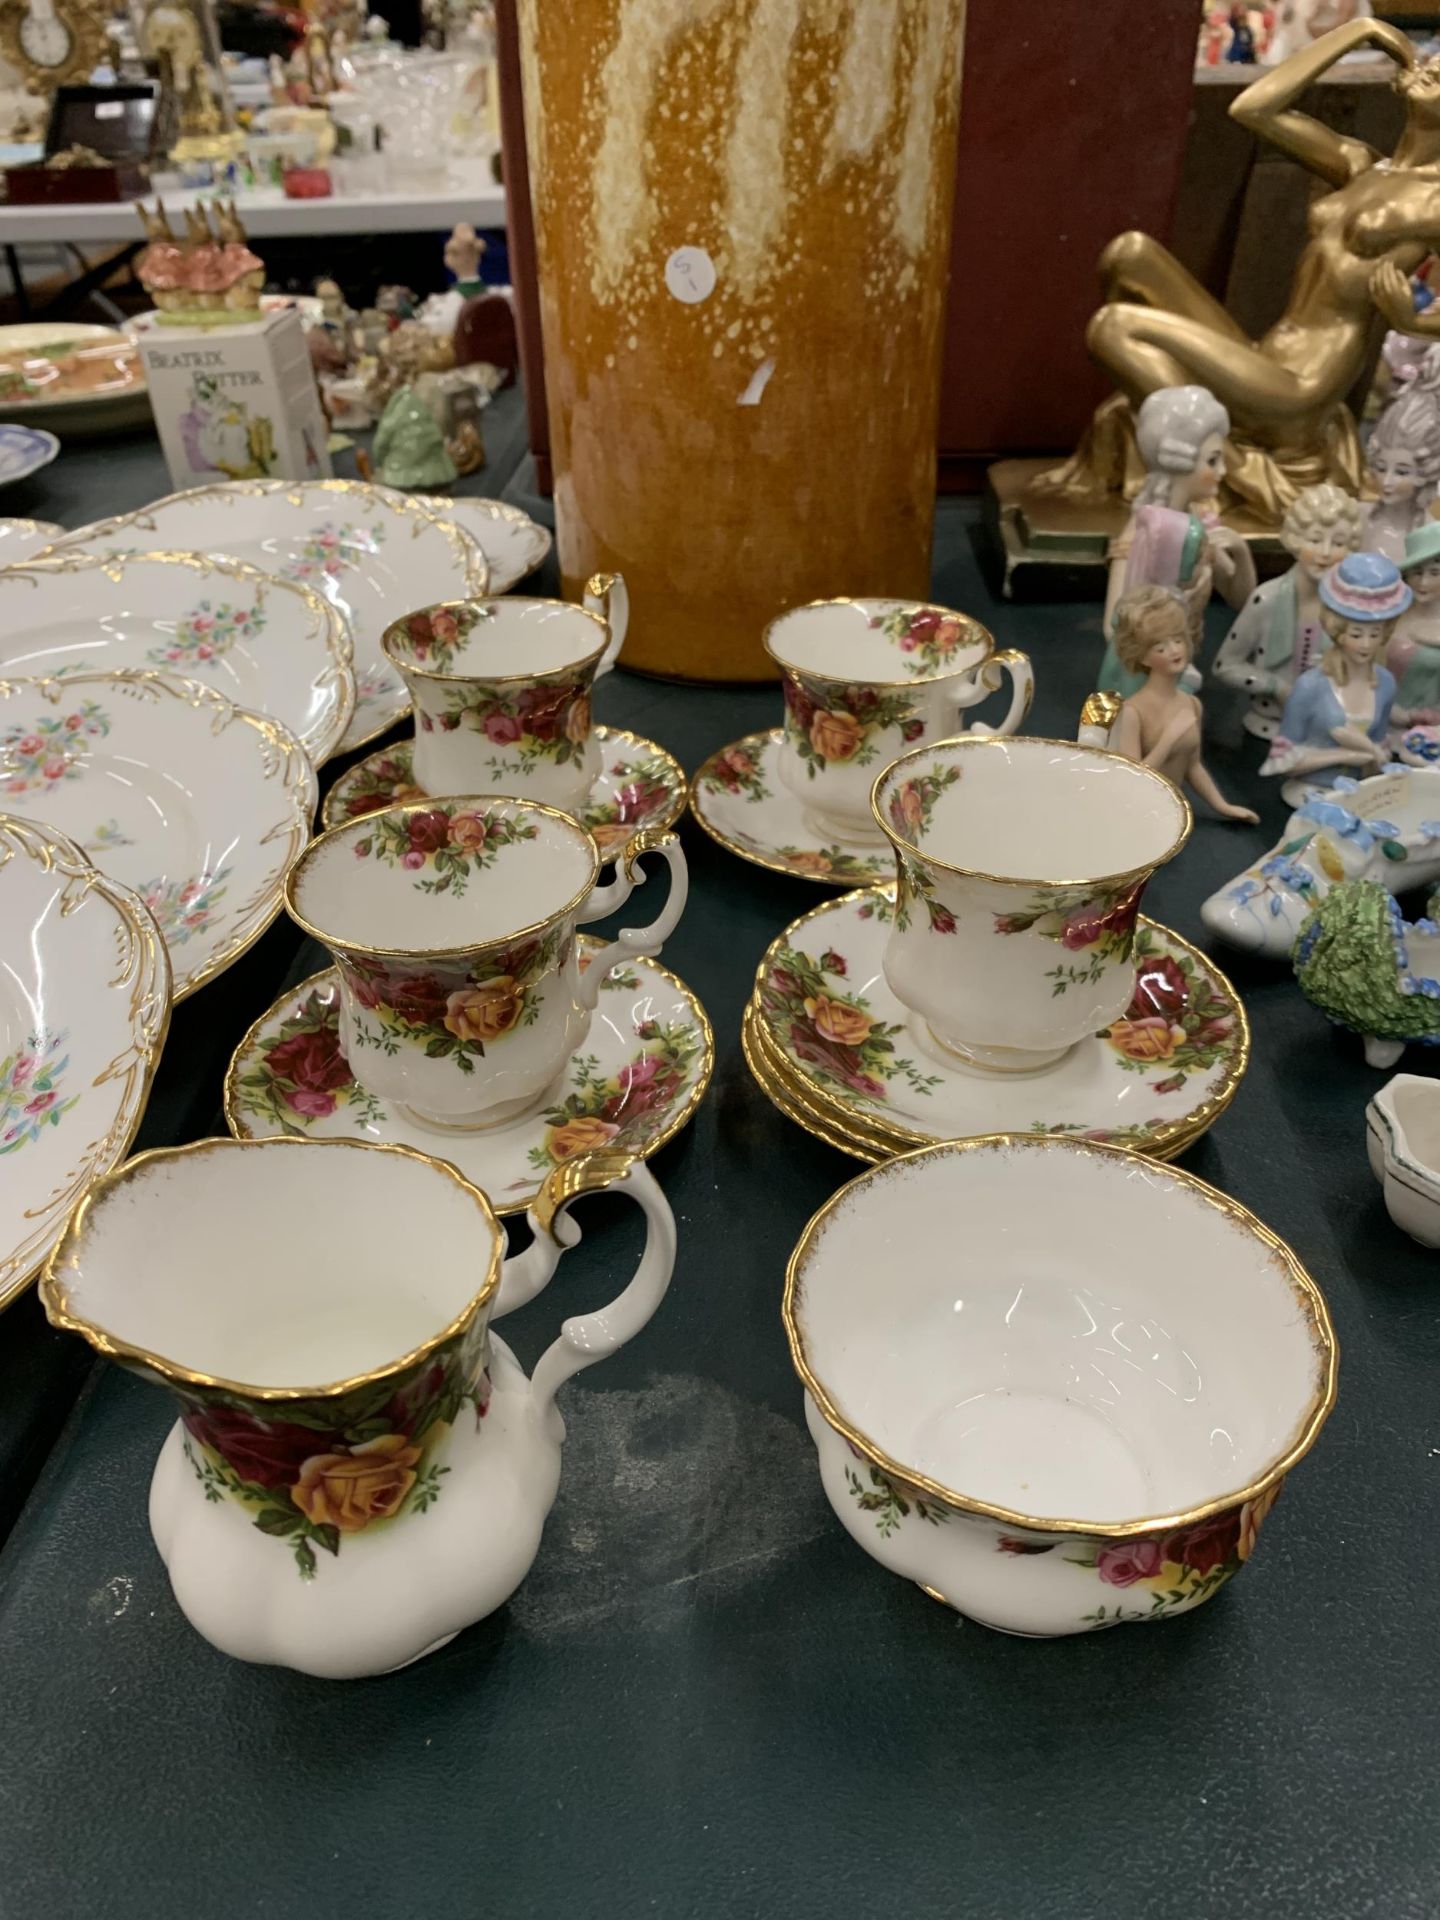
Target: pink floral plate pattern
{"points": [[738, 798], [639, 785], [633, 1082], [842, 1045]]}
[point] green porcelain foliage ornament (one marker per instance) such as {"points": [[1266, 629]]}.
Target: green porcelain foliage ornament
{"points": [[1365, 968], [409, 446]]}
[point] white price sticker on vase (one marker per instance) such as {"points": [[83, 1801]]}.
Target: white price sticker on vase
{"points": [[690, 275]]}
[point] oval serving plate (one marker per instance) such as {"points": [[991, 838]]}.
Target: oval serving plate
{"points": [[84, 1006], [171, 789], [266, 644], [373, 553]]}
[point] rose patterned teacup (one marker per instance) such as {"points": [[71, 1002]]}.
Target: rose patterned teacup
{"points": [[501, 690], [1075, 1410], [452, 926], [360, 1467], [864, 680], [1020, 866]]}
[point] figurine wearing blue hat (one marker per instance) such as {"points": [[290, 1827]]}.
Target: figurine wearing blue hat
{"points": [[1414, 656], [1338, 714]]}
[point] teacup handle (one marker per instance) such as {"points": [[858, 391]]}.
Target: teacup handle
{"points": [[634, 940], [607, 595], [591, 1336], [986, 679]]}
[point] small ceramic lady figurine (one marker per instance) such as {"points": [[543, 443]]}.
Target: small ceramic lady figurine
{"points": [[1338, 713], [1160, 725], [1173, 538], [1414, 656], [1404, 460], [1277, 634]]}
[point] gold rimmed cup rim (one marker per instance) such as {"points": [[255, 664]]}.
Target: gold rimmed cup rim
{"points": [[1325, 1345], [982, 633], [359, 828], [974, 743], [395, 638], [67, 1255]]}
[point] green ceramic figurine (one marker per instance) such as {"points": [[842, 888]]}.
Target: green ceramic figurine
{"points": [[409, 446], [1366, 968]]}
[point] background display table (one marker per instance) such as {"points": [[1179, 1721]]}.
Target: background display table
{"points": [[705, 1700]]}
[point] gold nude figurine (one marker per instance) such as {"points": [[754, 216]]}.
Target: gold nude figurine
{"points": [[1285, 393]]}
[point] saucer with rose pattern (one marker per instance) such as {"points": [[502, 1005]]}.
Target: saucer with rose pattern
{"points": [[639, 785], [633, 1082], [738, 798], [827, 1031]]}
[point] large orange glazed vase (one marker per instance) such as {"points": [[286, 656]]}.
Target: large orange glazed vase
{"points": [[742, 213]]}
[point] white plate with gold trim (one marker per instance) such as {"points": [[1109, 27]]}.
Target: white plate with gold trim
{"points": [[738, 799], [511, 541], [84, 1005], [633, 1082], [373, 553], [169, 788], [264, 643], [21, 540]]}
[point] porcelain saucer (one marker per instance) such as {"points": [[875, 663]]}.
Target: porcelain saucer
{"points": [[22, 539], [835, 1039], [24, 450], [738, 799], [636, 1079], [639, 785], [511, 541]]}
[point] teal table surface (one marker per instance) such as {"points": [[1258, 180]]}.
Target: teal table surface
{"points": [[705, 1700]]}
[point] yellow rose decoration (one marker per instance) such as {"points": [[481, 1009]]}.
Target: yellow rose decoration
{"points": [[580, 1135], [484, 1013], [847, 1026], [836, 736], [354, 1485]]}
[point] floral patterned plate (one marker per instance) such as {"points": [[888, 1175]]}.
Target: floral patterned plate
{"points": [[372, 553], [835, 1036], [739, 801], [84, 1004], [172, 790], [21, 540], [634, 1082], [511, 541], [639, 785], [267, 645]]}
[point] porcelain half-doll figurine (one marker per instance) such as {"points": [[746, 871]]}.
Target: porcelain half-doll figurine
{"points": [[1414, 656], [1173, 538], [1338, 715], [1160, 725], [1277, 633], [1403, 455]]}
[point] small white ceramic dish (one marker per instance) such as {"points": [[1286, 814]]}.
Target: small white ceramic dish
{"points": [[1402, 1138], [374, 554], [104, 392], [21, 540], [513, 543], [172, 790], [636, 1076], [739, 799], [84, 1004], [24, 450], [269, 646], [1057, 1385]]}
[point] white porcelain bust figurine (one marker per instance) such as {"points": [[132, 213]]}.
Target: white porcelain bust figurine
{"points": [[1404, 459], [1174, 537], [1160, 725], [1278, 633], [1414, 656]]}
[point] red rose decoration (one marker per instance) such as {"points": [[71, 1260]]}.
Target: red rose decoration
{"points": [[403, 1409], [1126, 1561], [428, 830], [1160, 987], [312, 1061], [418, 997], [268, 1452], [1204, 1547], [315, 1106], [798, 701], [502, 728], [541, 710]]}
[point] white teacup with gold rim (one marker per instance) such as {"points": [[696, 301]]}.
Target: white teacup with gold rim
{"points": [[864, 680], [1021, 864], [452, 924], [1075, 1411], [360, 1467], [501, 690]]}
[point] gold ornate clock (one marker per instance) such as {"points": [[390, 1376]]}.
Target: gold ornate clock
{"points": [[53, 43]]}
